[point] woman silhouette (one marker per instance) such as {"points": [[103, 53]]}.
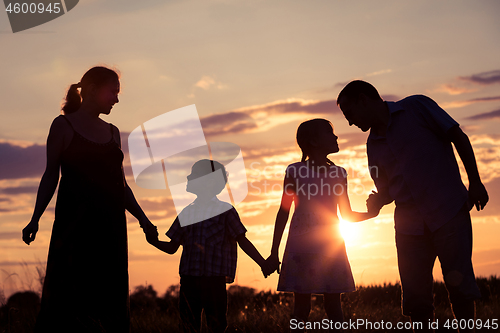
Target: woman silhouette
{"points": [[86, 282]]}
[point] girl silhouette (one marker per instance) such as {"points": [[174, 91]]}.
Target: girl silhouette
{"points": [[86, 282], [315, 259]]}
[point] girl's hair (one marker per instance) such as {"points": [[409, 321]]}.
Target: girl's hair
{"points": [[98, 76], [308, 131]]}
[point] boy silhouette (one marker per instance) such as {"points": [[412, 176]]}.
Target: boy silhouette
{"points": [[208, 230]]}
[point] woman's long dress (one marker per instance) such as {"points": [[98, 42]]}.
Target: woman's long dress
{"points": [[86, 282]]}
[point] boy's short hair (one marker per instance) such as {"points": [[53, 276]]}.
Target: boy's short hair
{"points": [[206, 166]]}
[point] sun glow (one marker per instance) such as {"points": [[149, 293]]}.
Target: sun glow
{"points": [[349, 231]]}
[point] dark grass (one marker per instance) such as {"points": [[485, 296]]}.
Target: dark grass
{"points": [[265, 311]]}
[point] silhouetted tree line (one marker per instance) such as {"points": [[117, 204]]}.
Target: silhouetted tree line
{"points": [[18, 314]]}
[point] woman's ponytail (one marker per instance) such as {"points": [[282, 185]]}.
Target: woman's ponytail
{"points": [[73, 99], [97, 76]]}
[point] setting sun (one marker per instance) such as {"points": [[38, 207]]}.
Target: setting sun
{"points": [[349, 231]]}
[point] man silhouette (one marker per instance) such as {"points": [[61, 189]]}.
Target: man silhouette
{"points": [[412, 162]]}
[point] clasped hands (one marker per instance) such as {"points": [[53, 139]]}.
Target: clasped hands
{"points": [[374, 203], [151, 232], [272, 264]]}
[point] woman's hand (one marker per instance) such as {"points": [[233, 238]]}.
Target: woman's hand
{"points": [[151, 232], [273, 264], [29, 232]]}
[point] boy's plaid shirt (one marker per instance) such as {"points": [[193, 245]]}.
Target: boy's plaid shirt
{"points": [[209, 246]]}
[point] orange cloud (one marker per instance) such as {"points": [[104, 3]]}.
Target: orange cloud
{"points": [[459, 104], [383, 71], [454, 90]]}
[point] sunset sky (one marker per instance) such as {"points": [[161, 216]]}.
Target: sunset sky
{"points": [[254, 70]]}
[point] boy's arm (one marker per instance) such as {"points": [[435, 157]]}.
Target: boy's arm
{"points": [[250, 250], [174, 233], [167, 247]]}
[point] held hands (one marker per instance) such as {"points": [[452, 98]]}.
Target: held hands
{"points": [[477, 195], [151, 232], [373, 204], [272, 265], [29, 232]]}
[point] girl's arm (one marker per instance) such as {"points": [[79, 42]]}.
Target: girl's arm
{"points": [[346, 210], [56, 140], [282, 218]]}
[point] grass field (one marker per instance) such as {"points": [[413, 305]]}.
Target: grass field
{"points": [[266, 311]]}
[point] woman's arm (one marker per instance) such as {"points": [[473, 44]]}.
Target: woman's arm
{"points": [[56, 142], [346, 210], [131, 203], [133, 207]]}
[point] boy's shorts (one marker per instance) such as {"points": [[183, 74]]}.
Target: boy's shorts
{"points": [[206, 293]]}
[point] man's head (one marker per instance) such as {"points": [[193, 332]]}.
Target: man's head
{"points": [[359, 102]]}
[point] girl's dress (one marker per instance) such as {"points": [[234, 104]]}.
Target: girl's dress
{"points": [[86, 282], [315, 259]]}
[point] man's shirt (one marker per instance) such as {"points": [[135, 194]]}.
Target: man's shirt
{"points": [[416, 165]]}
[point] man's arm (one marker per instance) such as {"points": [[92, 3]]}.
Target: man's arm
{"points": [[477, 192], [377, 200]]}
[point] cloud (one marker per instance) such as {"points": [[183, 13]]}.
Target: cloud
{"points": [[459, 104], [206, 82], [454, 90], [487, 151], [19, 190], [383, 71], [21, 160], [484, 78], [229, 122], [10, 235], [486, 115], [294, 105], [260, 118]]}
